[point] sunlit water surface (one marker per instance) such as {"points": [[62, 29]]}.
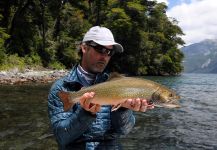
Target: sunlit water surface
{"points": [[24, 122]]}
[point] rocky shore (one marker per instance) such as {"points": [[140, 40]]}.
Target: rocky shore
{"points": [[28, 76]]}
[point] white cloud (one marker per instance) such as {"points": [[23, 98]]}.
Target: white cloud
{"points": [[197, 19], [165, 1]]}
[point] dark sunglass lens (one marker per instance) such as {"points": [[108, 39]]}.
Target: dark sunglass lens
{"points": [[103, 50], [111, 53]]}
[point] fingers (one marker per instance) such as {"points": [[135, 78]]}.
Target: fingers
{"points": [[128, 103], [95, 108], [144, 106], [138, 104], [85, 102], [85, 97]]}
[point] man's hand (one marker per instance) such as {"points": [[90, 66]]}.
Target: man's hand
{"points": [[137, 104], [85, 102]]}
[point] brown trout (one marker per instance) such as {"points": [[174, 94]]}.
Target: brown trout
{"points": [[119, 88]]}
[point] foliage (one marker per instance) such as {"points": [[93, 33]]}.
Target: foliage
{"points": [[71, 28], [13, 61], [148, 36], [43, 32], [3, 36], [56, 65], [33, 61]]}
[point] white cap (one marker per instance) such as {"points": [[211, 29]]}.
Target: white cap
{"points": [[102, 36]]}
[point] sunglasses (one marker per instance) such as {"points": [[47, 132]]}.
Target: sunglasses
{"points": [[101, 49]]}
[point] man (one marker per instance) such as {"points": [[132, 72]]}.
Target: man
{"points": [[87, 125]]}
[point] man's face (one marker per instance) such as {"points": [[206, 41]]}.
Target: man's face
{"points": [[93, 61]]}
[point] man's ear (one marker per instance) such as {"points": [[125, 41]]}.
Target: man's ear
{"points": [[83, 48]]}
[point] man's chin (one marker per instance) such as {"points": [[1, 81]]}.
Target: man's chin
{"points": [[100, 67], [98, 70]]}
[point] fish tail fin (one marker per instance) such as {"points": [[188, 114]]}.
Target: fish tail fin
{"points": [[64, 97]]}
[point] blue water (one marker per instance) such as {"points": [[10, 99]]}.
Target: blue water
{"points": [[24, 123], [194, 126]]}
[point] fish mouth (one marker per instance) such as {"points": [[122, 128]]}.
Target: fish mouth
{"points": [[171, 104], [167, 105]]}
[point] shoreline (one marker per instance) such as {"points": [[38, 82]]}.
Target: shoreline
{"points": [[29, 76]]}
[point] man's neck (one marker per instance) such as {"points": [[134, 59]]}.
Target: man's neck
{"points": [[89, 77]]}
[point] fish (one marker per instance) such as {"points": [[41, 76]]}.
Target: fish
{"points": [[118, 88]]}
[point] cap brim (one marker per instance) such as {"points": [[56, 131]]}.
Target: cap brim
{"points": [[116, 46]]}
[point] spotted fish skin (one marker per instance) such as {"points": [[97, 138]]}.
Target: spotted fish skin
{"points": [[119, 88]]}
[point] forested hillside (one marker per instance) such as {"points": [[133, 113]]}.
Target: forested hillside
{"points": [[43, 33]]}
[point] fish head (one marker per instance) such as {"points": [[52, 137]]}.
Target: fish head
{"points": [[165, 97]]}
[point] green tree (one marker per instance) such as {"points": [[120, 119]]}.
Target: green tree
{"points": [[68, 33], [147, 35], [3, 36], [46, 31]]}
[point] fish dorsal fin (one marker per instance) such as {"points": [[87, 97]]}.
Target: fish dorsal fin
{"points": [[115, 76]]}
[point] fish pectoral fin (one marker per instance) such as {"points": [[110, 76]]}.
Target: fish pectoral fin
{"points": [[115, 107]]}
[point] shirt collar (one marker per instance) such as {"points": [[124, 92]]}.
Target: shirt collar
{"points": [[73, 76]]}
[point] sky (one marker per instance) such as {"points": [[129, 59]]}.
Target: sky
{"points": [[197, 18]]}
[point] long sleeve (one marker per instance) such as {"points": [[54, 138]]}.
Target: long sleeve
{"points": [[67, 126], [123, 120]]}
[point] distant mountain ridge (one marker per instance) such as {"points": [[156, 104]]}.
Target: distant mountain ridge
{"points": [[201, 57]]}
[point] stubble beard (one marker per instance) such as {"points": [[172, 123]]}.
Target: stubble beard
{"points": [[98, 67]]}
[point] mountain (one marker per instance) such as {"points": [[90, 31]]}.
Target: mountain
{"points": [[201, 57]]}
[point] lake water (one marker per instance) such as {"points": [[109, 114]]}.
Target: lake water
{"points": [[24, 123]]}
